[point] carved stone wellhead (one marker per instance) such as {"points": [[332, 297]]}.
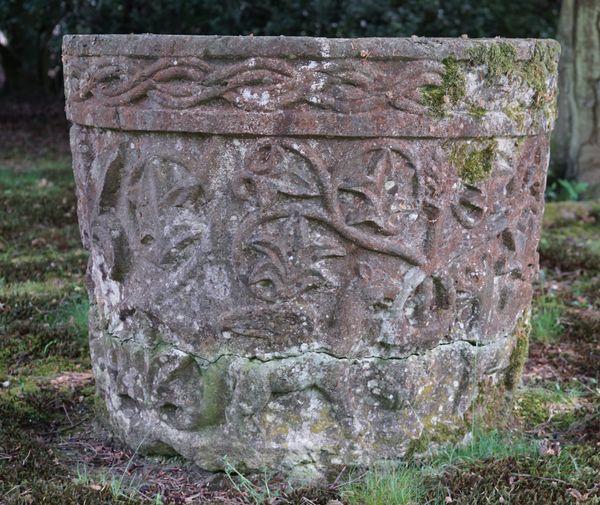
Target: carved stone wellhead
{"points": [[306, 253]]}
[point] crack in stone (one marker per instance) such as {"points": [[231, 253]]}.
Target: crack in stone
{"points": [[208, 362]]}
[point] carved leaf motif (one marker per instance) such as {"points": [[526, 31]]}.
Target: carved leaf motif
{"points": [[387, 189], [105, 180], [275, 168], [288, 259], [470, 209], [161, 193], [406, 94]]}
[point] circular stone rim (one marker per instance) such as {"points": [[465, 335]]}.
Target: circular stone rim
{"points": [[82, 52], [219, 46]]}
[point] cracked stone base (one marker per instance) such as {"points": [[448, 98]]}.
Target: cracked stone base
{"points": [[306, 415]]}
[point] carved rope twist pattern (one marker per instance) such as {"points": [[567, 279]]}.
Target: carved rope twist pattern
{"points": [[256, 84]]}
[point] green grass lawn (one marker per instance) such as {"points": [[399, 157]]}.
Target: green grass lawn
{"points": [[52, 449]]}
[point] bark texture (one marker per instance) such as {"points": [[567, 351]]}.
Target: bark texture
{"points": [[577, 134]]}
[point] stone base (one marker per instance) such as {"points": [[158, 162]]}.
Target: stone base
{"points": [[305, 415]]}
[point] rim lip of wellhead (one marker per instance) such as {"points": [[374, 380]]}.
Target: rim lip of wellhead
{"points": [[218, 46]]}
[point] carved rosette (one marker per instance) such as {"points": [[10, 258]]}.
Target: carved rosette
{"points": [[296, 258]]}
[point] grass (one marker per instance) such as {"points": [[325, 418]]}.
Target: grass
{"points": [[407, 483], [255, 492], [492, 468], [122, 488], [546, 319], [393, 484]]}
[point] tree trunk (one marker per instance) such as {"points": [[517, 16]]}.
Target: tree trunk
{"points": [[577, 133]]}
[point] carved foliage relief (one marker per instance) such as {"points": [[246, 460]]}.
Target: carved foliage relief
{"points": [[375, 239]]}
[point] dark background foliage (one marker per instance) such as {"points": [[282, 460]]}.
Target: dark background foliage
{"points": [[32, 29]]}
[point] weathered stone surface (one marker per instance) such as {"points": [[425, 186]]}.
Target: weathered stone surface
{"points": [[306, 253]]}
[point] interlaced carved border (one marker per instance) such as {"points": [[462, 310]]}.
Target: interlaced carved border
{"points": [[255, 84]]}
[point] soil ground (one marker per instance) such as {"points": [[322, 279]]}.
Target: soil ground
{"points": [[54, 448]]}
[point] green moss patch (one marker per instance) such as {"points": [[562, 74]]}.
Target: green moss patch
{"points": [[499, 58], [477, 112], [539, 67], [572, 247], [516, 113], [451, 91], [536, 405], [514, 372], [559, 214], [473, 161]]}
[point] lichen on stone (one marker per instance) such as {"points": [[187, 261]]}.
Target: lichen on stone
{"points": [[477, 111], [516, 113], [215, 392], [436, 435], [473, 161], [514, 371], [451, 91], [322, 422]]}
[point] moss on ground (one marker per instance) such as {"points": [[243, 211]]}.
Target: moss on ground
{"points": [[523, 479], [30, 472], [537, 405], [572, 247], [491, 468], [40, 265], [561, 214]]}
